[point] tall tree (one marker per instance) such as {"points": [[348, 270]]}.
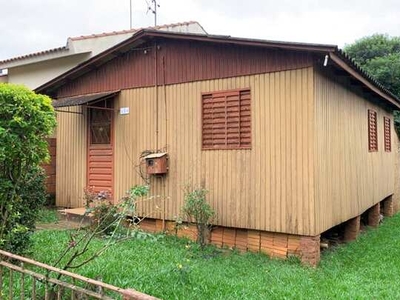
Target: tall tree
{"points": [[379, 55]]}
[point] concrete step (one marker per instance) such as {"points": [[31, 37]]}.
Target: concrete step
{"points": [[76, 215]]}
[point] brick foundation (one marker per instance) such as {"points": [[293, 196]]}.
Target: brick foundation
{"points": [[374, 215], [352, 229], [277, 245], [387, 207]]}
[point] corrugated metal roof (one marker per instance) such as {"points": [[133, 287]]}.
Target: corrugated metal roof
{"points": [[360, 70], [80, 100]]}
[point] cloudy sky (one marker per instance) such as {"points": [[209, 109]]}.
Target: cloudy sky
{"points": [[32, 25]]}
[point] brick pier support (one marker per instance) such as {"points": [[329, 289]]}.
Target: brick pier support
{"points": [[388, 207], [352, 229], [310, 249], [374, 215]]}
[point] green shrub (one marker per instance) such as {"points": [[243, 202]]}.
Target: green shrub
{"points": [[21, 225], [26, 119]]}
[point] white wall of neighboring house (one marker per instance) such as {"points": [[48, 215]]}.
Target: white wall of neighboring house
{"points": [[35, 74], [36, 69], [100, 42]]}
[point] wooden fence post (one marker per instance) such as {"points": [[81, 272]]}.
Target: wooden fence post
{"points": [[135, 295]]}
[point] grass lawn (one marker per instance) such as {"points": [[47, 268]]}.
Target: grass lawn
{"points": [[172, 268], [47, 216]]}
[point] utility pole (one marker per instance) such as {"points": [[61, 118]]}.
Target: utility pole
{"points": [[130, 14], [155, 12]]}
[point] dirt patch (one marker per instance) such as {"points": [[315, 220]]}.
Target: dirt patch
{"points": [[60, 225]]}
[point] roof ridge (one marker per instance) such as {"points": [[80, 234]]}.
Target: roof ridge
{"points": [[133, 30], [34, 54]]}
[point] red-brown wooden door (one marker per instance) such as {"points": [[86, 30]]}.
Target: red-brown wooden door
{"points": [[100, 163]]}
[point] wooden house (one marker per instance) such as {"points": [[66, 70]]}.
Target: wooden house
{"points": [[290, 139]]}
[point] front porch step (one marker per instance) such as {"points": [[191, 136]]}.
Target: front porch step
{"points": [[76, 215]]}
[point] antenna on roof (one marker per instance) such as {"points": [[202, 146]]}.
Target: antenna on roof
{"points": [[153, 8]]}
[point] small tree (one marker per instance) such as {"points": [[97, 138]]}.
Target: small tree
{"points": [[196, 208], [26, 119]]}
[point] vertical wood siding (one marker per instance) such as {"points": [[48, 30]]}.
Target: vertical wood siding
{"points": [[71, 157], [269, 187], [348, 178], [182, 61]]}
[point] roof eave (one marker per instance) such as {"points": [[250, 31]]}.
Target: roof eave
{"points": [[39, 58], [149, 33], [226, 39], [352, 69], [139, 37]]}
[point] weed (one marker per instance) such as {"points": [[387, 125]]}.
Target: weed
{"points": [[196, 208]]}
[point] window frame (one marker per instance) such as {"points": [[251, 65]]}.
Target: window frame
{"points": [[387, 134], [372, 148], [227, 92], [106, 107]]}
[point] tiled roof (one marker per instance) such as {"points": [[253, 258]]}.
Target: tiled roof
{"points": [[35, 54], [83, 37], [133, 30]]}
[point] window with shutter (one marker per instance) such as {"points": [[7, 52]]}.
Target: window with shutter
{"points": [[226, 122], [387, 134], [372, 131]]}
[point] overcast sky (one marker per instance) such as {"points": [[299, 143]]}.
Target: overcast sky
{"points": [[28, 26]]}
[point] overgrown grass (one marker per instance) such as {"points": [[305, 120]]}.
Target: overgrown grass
{"points": [[172, 268], [47, 216]]}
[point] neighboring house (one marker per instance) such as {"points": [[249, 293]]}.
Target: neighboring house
{"points": [[35, 69], [290, 139]]}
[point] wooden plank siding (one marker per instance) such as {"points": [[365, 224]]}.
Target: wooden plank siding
{"points": [[348, 178], [182, 61], [269, 187], [71, 157], [308, 168]]}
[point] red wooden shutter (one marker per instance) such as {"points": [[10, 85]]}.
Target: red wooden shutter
{"points": [[245, 119], [372, 131], [226, 120], [387, 134]]}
